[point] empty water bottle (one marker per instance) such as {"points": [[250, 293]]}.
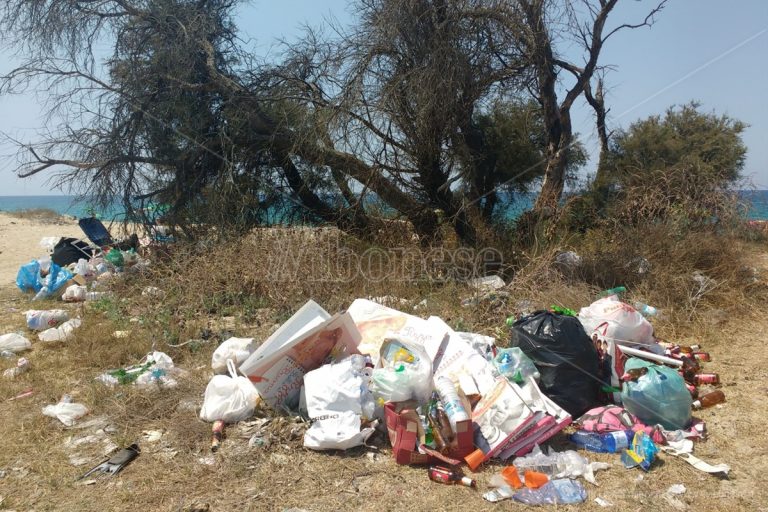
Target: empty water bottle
{"points": [[646, 310], [610, 442], [7, 354]]}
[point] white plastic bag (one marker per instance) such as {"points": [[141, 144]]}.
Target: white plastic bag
{"points": [[237, 349], [611, 319], [66, 412], [39, 320], [74, 293], [230, 398], [60, 333], [337, 398], [14, 342], [339, 387], [340, 431]]}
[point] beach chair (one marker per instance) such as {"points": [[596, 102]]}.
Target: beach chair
{"points": [[97, 233]]}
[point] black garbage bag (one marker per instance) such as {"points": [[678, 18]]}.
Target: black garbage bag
{"points": [[565, 357], [69, 250]]}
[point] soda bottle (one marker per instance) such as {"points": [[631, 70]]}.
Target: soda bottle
{"points": [[441, 426], [610, 442], [443, 475], [708, 400], [707, 378], [702, 356], [689, 369]]}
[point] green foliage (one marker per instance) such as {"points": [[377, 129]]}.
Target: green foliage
{"points": [[676, 169], [685, 138]]}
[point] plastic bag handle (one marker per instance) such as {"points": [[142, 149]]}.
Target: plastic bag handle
{"points": [[231, 368]]}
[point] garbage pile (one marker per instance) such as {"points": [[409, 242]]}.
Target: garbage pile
{"points": [[443, 399], [449, 399]]}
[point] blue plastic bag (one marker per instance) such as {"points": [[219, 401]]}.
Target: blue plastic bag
{"points": [[658, 397], [28, 277], [57, 277]]}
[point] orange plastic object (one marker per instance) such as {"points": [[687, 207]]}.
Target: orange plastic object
{"points": [[475, 459], [511, 476], [534, 479]]}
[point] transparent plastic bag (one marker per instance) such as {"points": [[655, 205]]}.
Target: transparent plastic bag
{"points": [[514, 365], [564, 492], [658, 397], [406, 372]]}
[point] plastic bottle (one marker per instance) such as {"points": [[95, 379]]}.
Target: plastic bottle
{"points": [[7, 354], [646, 310], [91, 296], [610, 442], [613, 291], [449, 476], [708, 400], [454, 409], [506, 365]]}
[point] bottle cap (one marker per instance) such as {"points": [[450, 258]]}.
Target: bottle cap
{"points": [[475, 459]]}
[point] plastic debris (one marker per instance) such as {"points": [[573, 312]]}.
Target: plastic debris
{"points": [[63, 332], [66, 411], [14, 342]]}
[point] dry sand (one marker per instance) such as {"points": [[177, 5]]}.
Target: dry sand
{"points": [[20, 241]]}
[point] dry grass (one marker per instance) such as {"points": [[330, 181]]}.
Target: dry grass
{"points": [[41, 215], [210, 292]]}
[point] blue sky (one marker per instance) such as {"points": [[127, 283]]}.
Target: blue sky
{"points": [[706, 50]]}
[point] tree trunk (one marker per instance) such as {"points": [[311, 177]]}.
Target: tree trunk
{"points": [[554, 181]]}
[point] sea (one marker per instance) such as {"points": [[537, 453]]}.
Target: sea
{"points": [[757, 201]]}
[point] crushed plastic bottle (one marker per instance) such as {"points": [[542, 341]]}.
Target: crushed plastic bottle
{"points": [[646, 310], [567, 464], [563, 492]]}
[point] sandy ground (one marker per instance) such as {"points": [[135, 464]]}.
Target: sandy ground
{"points": [[37, 469], [20, 238]]}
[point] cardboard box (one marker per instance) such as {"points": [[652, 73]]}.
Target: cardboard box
{"points": [[406, 434]]}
